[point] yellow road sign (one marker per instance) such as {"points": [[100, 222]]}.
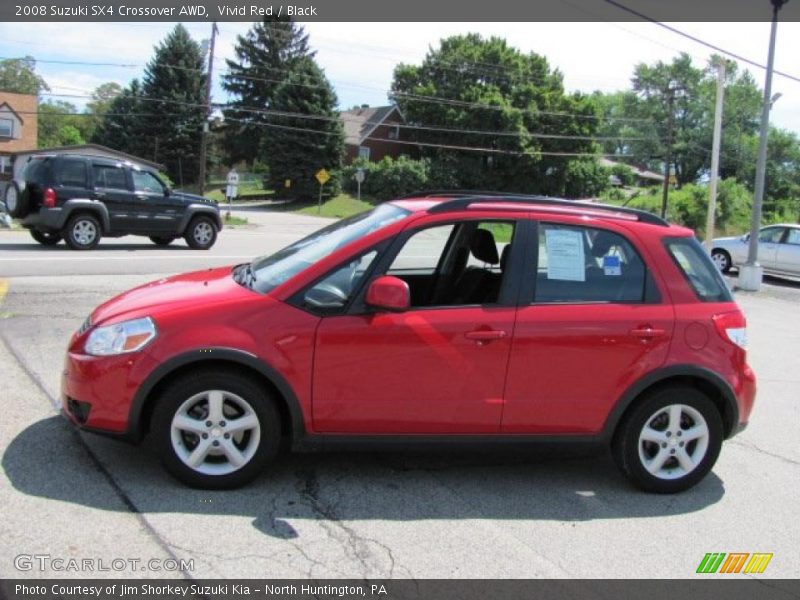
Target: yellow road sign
{"points": [[322, 176]]}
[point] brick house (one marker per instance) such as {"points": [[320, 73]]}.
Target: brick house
{"points": [[19, 129], [374, 132]]}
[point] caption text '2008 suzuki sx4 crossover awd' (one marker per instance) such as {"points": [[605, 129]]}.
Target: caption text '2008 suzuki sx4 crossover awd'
{"points": [[460, 318]]}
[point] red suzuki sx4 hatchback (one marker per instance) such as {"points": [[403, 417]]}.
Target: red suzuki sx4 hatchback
{"points": [[441, 318]]}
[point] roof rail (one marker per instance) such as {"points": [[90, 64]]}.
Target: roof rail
{"points": [[461, 200]]}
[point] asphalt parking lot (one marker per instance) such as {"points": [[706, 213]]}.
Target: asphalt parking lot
{"points": [[71, 495]]}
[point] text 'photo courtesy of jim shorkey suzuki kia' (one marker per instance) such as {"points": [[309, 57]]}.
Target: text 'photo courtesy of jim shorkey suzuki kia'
{"points": [[442, 317]]}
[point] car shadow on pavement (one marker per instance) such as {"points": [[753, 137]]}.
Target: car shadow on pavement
{"points": [[115, 247], [50, 460]]}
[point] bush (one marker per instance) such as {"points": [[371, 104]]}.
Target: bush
{"points": [[585, 178], [388, 178], [624, 173]]}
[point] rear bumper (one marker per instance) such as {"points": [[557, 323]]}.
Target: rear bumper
{"points": [[46, 219]]}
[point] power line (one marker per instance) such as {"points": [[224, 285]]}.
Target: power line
{"points": [[288, 114], [697, 40]]}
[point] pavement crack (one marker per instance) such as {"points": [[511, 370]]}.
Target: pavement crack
{"points": [[760, 450]]}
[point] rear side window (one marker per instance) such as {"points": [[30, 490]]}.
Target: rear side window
{"points": [[585, 264], [73, 173], [107, 176], [697, 268]]}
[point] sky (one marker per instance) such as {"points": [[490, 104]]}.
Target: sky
{"points": [[359, 58]]}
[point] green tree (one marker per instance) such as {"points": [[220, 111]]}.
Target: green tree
{"points": [[265, 57], [173, 94], [18, 75], [121, 123], [102, 98], [59, 124], [296, 148], [476, 84]]}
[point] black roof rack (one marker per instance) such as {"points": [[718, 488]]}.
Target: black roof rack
{"points": [[462, 199]]}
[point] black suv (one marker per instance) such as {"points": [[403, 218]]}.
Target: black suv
{"points": [[81, 198]]}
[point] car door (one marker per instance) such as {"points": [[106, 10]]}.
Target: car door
{"points": [[437, 368], [112, 188], [769, 239], [590, 323], [788, 259], [157, 211]]}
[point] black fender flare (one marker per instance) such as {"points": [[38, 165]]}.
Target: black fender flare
{"points": [[88, 205], [199, 209], [730, 406], [136, 428]]}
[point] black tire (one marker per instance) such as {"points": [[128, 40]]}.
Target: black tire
{"points": [[162, 240], [201, 233], [722, 259], [625, 447], [46, 239], [17, 203], [82, 232], [189, 390]]}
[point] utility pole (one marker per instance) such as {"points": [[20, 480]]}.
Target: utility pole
{"points": [[207, 112], [751, 273], [712, 187], [668, 159]]}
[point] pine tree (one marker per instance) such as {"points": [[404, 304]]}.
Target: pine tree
{"points": [[174, 90], [120, 125], [296, 148], [265, 56]]}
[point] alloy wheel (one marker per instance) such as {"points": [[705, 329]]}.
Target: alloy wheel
{"points": [[673, 441]]}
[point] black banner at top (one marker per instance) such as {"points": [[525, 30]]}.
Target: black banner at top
{"points": [[393, 11]]}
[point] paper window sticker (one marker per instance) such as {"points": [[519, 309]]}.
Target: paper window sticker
{"points": [[611, 265]]}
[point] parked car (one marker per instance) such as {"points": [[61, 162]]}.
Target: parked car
{"points": [[82, 198], [778, 250], [481, 319]]}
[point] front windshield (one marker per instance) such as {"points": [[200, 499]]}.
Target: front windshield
{"points": [[268, 272]]}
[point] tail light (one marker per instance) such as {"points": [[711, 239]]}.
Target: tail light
{"points": [[732, 326], [49, 198]]}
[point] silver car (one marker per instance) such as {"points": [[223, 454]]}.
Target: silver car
{"points": [[778, 250]]}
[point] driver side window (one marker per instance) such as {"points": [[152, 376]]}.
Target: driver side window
{"points": [[331, 295]]}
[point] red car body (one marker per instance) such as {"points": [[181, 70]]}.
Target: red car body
{"points": [[519, 370]]}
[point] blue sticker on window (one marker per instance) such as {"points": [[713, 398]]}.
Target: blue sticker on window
{"points": [[611, 265]]}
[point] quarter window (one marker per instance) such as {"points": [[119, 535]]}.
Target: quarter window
{"points": [[73, 173], [699, 271], [584, 264]]}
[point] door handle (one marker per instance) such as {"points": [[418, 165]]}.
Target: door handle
{"points": [[100, 194], [647, 332], [485, 335]]}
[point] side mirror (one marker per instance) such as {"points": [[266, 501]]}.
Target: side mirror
{"points": [[745, 237], [389, 293], [167, 191]]}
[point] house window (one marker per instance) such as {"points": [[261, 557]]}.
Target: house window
{"points": [[363, 152], [6, 128], [394, 133], [5, 165]]}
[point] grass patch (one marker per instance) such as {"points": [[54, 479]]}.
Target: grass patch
{"points": [[231, 221], [338, 207]]}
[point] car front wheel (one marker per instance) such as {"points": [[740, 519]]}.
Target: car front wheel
{"points": [[82, 232], [46, 239], [201, 233], [722, 259], [216, 429], [669, 441]]}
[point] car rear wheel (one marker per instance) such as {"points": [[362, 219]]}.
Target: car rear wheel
{"points": [[82, 232], [16, 201], [722, 259], [216, 429], [669, 441], [201, 233], [162, 240], [45, 238]]}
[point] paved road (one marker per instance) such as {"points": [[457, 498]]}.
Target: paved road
{"points": [[346, 515]]}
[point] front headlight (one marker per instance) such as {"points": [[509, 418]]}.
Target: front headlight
{"points": [[120, 338]]}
